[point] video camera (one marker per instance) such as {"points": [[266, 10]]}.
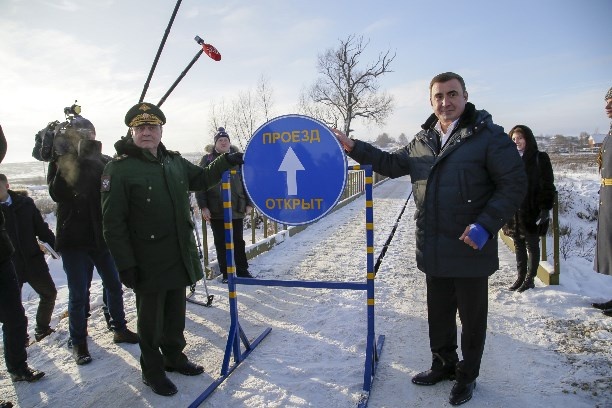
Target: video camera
{"points": [[57, 139]]}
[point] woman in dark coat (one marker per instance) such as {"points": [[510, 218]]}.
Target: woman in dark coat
{"points": [[523, 226]]}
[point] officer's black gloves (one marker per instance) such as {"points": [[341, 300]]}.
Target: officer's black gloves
{"points": [[543, 217], [235, 159], [128, 277]]}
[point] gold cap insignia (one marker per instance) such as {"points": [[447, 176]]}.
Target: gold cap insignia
{"points": [[145, 119]]}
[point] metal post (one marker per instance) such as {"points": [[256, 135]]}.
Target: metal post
{"points": [[556, 260]]}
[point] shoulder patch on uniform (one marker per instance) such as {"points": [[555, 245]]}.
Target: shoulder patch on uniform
{"points": [[105, 184]]}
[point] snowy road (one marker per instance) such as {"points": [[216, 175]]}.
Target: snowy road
{"points": [[544, 348]]}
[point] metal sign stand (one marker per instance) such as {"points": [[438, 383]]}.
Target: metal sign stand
{"points": [[236, 335]]}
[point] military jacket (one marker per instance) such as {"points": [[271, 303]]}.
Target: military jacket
{"points": [[147, 221]]}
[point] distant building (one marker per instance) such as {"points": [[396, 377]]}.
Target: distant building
{"points": [[543, 142], [596, 139], [563, 144]]}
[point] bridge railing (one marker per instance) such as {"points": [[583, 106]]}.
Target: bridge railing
{"points": [[355, 186]]}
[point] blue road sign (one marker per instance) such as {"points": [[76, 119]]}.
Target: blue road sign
{"points": [[294, 169]]}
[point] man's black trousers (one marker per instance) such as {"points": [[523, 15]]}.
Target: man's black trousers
{"points": [[468, 296], [13, 318], [240, 259]]}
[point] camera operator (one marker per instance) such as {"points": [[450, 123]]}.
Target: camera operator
{"points": [[74, 183]]}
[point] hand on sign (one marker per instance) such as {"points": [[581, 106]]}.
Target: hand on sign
{"points": [[346, 141]]}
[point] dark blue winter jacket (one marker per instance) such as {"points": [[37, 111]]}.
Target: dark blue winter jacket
{"points": [[478, 177]]}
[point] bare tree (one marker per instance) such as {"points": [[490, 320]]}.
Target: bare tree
{"points": [[265, 97], [219, 116], [243, 115], [384, 140], [345, 91]]}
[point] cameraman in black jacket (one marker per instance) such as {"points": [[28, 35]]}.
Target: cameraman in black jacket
{"points": [[74, 184]]}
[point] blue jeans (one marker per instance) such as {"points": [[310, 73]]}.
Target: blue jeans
{"points": [[79, 265]]}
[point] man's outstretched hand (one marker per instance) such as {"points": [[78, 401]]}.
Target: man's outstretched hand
{"points": [[344, 140]]}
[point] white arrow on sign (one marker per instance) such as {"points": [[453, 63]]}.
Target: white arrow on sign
{"points": [[291, 164]]}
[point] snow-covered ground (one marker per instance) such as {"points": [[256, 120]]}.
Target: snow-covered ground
{"points": [[545, 347]]}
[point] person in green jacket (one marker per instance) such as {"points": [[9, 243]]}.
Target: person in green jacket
{"points": [[148, 227]]}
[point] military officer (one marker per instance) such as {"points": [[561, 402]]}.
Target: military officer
{"points": [[148, 227], [603, 257]]}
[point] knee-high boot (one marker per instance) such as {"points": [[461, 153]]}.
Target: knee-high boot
{"points": [[520, 278], [533, 248], [521, 265]]}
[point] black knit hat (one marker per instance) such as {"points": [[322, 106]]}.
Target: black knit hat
{"points": [[221, 133]]}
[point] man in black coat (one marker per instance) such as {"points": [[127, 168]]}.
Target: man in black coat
{"points": [[211, 204], [12, 315], [467, 179], [25, 224]]}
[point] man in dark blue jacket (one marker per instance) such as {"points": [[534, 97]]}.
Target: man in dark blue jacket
{"points": [[12, 315], [25, 224], [467, 179]]}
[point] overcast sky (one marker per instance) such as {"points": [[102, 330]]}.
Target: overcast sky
{"points": [[544, 63]]}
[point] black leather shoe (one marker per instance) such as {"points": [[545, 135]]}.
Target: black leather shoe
{"points": [[244, 275], [602, 306], [432, 377], [80, 353], [6, 404], [162, 386], [26, 374], [461, 392], [607, 312], [125, 336], [40, 334], [188, 369]]}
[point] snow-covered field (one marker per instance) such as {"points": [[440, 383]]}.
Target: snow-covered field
{"points": [[545, 347]]}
